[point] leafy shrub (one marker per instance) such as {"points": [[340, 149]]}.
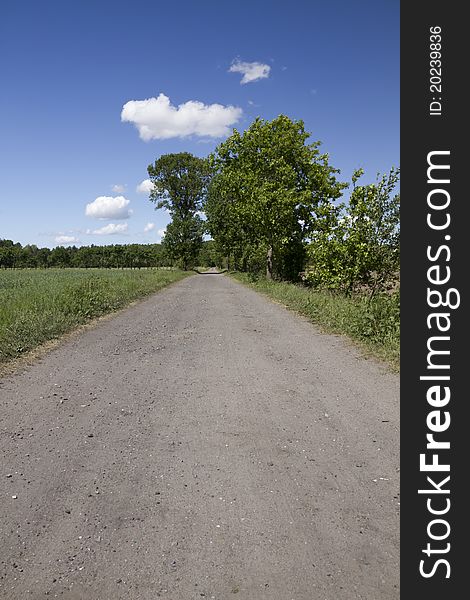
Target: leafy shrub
{"points": [[361, 250]]}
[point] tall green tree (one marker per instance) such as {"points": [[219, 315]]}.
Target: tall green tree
{"points": [[180, 183], [271, 189]]}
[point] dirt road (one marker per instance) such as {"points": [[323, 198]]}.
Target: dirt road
{"points": [[205, 443]]}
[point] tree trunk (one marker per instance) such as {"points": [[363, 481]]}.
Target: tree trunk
{"points": [[269, 263]]}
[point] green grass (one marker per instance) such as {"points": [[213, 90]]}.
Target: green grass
{"points": [[374, 325], [40, 305]]}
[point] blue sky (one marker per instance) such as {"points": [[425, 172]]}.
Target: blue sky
{"points": [[67, 69]]}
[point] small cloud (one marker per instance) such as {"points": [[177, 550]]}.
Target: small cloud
{"points": [[66, 240], [110, 229], [144, 187], [253, 71], [107, 207], [119, 188], [283, 68], [161, 233], [149, 227], [313, 92], [158, 119]]}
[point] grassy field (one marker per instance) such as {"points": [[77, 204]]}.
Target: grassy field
{"points": [[374, 325], [40, 305]]}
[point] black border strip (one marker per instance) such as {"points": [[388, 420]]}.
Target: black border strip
{"points": [[427, 128]]}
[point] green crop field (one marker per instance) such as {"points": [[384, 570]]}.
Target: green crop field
{"points": [[39, 305]]}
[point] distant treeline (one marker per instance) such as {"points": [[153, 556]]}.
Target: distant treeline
{"points": [[115, 256]]}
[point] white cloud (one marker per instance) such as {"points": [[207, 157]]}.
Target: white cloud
{"points": [[119, 188], [111, 229], [107, 207], [253, 71], [161, 233], [66, 240], [149, 227], [158, 119], [144, 187]]}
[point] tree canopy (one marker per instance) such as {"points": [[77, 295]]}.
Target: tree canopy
{"points": [[179, 183], [270, 190]]}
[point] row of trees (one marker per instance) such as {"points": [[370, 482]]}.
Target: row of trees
{"points": [[113, 256], [272, 203]]}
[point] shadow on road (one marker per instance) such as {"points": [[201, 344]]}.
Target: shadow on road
{"points": [[210, 272]]}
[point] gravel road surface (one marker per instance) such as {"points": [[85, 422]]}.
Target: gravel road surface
{"points": [[204, 443]]}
